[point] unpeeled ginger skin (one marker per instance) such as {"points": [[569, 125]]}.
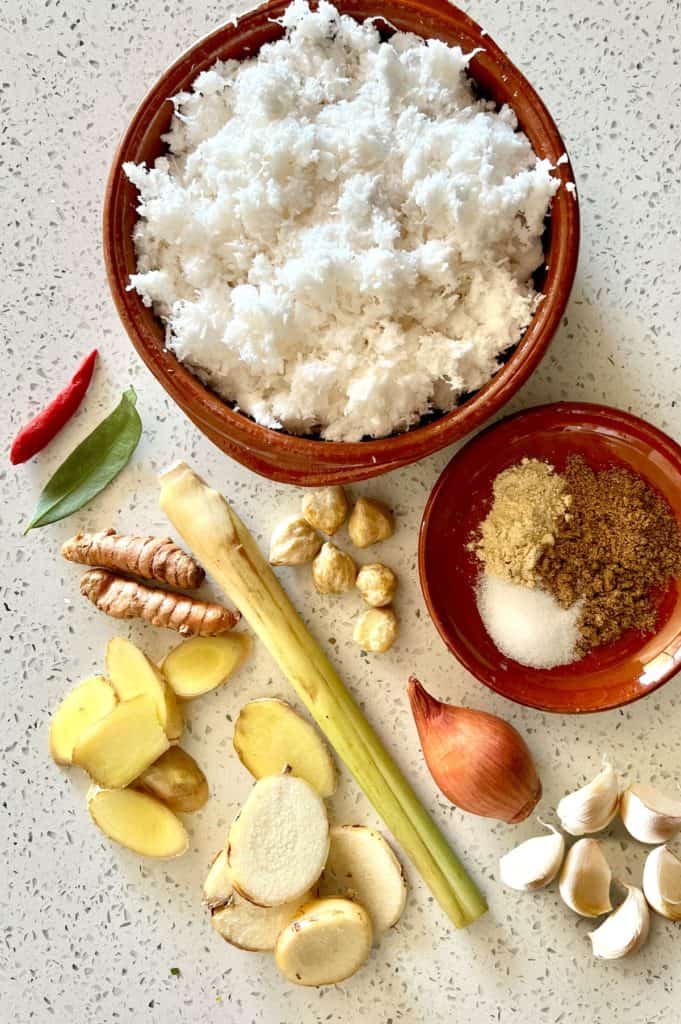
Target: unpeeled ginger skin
{"points": [[152, 558], [175, 779], [127, 599]]}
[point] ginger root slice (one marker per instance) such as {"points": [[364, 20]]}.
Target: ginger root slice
{"points": [[152, 558], [126, 599], [176, 780], [117, 749], [82, 707], [138, 821], [132, 673], [203, 663], [269, 734]]}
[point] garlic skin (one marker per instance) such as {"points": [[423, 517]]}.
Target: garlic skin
{"points": [[648, 815], [479, 761], [585, 879], [533, 864], [591, 808], [662, 882], [625, 930]]}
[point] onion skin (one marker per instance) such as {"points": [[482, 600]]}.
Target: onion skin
{"points": [[480, 762]]}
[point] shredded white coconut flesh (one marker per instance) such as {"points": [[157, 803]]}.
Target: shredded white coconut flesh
{"points": [[342, 237]]}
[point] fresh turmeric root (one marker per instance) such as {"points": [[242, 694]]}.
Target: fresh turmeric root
{"points": [[153, 558], [127, 599]]}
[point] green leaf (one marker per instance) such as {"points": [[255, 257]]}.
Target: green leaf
{"points": [[92, 465]]}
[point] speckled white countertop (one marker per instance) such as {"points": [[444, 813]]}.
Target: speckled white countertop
{"points": [[90, 932]]}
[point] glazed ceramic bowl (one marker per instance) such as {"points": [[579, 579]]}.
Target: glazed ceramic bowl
{"points": [[609, 676], [276, 454]]}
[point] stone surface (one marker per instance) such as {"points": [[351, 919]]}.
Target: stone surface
{"points": [[94, 933]]}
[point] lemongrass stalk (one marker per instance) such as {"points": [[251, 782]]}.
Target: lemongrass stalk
{"points": [[223, 545]]}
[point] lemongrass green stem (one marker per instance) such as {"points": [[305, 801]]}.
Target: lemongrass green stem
{"points": [[223, 545]]}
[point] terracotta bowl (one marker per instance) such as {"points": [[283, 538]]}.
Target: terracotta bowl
{"points": [[611, 675], [276, 454]]}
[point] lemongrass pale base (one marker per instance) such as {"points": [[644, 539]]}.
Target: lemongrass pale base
{"points": [[229, 553]]}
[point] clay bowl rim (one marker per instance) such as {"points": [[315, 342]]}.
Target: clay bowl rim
{"points": [[622, 424], [362, 458]]}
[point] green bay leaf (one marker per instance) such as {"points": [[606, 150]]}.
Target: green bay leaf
{"points": [[92, 465]]}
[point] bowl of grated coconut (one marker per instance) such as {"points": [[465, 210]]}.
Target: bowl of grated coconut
{"points": [[341, 237]]}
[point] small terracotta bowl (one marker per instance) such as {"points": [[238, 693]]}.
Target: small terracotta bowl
{"points": [[611, 675], [308, 461]]}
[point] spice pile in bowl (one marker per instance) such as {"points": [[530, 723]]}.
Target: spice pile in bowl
{"points": [[571, 560]]}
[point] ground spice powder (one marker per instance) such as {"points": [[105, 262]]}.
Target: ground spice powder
{"points": [[619, 544], [530, 500]]}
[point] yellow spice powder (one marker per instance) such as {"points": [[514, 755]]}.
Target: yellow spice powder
{"points": [[530, 500]]}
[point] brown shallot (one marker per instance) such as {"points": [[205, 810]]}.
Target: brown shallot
{"points": [[479, 761]]}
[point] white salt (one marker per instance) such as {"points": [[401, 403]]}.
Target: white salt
{"points": [[527, 624], [341, 237]]}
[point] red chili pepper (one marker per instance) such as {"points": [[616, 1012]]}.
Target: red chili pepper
{"points": [[32, 438]]}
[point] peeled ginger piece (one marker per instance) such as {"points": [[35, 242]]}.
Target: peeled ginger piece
{"points": [[138, 821], [133, 674], [362, 866], [86, 704], [117, 749], [269, 734], [205, 662], [278, 843], [326, 942]]}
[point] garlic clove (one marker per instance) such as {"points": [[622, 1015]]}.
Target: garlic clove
{"points": [[592, 807], [648, 815], [625, 930], [533, 864], [585, 879], [662, 882]]}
